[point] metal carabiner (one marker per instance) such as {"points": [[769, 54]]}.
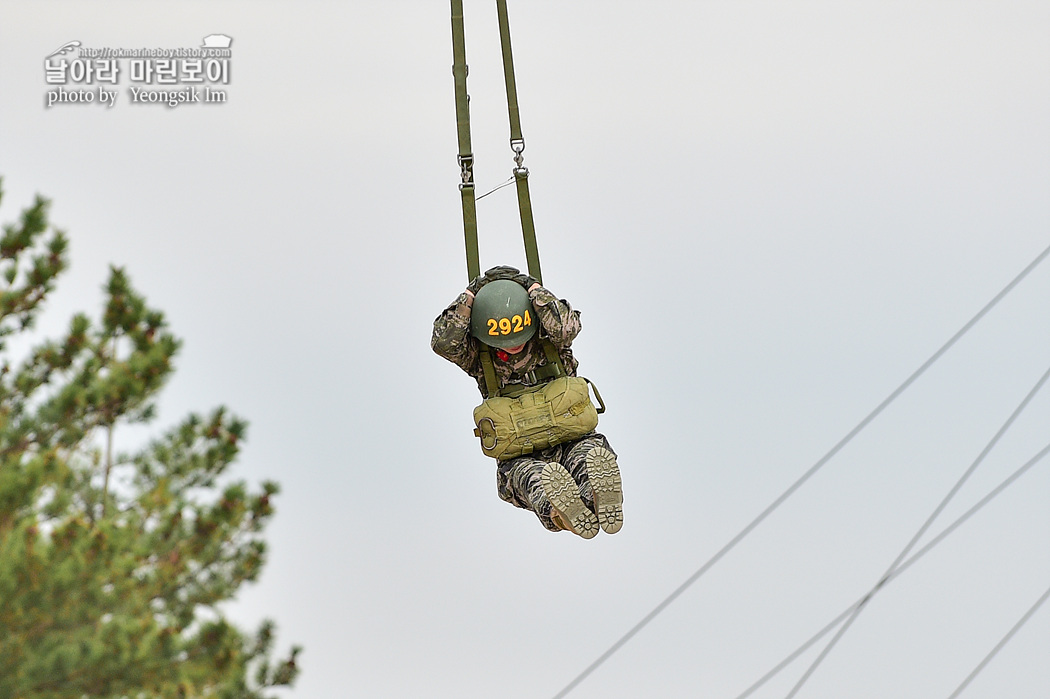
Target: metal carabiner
{"points": [[517, 145], [466, 170]]}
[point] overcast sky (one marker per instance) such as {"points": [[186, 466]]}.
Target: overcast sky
{"points": [[769, 214]]}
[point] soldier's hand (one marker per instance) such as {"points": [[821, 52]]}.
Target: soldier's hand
{"points": [[526, 280], [501, 272]]}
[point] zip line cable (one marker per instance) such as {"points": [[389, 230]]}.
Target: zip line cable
{"points": [[919, 534], [798, 483], [904, 566], [999, 646]]}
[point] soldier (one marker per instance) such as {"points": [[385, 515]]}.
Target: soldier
{"points": [[574, 485]]}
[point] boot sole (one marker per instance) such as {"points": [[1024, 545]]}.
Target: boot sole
{"points": [[608, 488], [564, 496]]}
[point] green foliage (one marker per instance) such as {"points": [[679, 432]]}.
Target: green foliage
{"points": [[112, 568]]}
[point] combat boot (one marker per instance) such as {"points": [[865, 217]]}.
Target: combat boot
{"points": [[604, 475], [567, 509]]}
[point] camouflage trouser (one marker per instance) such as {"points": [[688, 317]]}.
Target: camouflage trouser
{"points": [[518, 479]]}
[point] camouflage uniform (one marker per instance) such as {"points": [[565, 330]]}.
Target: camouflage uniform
{"points": [[518, 480]]}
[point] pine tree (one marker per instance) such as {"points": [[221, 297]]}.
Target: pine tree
{"points": [[112, 566]]}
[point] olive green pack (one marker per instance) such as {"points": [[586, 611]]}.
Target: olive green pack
{"points": [[536, 417]]}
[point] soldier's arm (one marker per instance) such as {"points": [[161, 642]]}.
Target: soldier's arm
{"points": [[557, 317], [451, 337]]}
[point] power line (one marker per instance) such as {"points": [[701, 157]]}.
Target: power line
{"points": [[904, 566], [798, 483], [919, 534], [999, 646]]}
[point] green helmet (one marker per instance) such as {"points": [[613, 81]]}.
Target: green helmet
{"points": [[502, 315]]}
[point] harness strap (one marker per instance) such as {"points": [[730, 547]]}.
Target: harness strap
{"points": [[553, 369], [465, 157], [508, 72], [492, 386], [532, 253], [517, 145], [556, 368]]}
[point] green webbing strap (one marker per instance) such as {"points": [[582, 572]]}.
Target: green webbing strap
{"points": [[466, 157], [517, 144], [553, 369], [470, 232], [491, 384], [553, 359], [508, 73], [528, 229]]}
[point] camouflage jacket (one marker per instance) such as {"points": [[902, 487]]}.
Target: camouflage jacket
{"points": [[453, 341]]}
